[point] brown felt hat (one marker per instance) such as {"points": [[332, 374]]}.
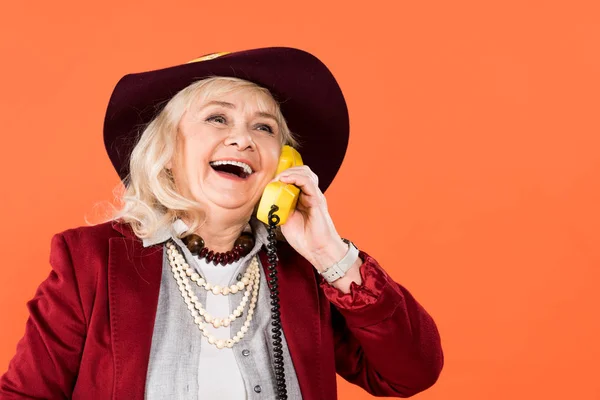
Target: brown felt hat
{"points": [[310, 98]]}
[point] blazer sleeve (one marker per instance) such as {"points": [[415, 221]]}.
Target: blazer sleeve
{"points": [[47, 359], [385, 341]]}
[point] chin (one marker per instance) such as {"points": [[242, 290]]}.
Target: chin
{"points": [[235, 202]]}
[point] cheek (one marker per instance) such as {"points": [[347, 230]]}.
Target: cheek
{"points": [[194, 157], [271, 158], [188, 170]]}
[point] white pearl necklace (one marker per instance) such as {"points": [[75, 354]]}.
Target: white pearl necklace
{"points": [[181, 271]]}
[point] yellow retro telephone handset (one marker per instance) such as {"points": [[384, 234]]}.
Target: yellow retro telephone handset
{"points": [[283, 195], [276, 204]]}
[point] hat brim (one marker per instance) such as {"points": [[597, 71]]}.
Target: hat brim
{"points": [[310, 98]]}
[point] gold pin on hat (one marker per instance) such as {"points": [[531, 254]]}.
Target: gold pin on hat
{"points": [[210, 56]]}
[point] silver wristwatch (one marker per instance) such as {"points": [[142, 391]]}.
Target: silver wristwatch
{"points": [[337, 270]]}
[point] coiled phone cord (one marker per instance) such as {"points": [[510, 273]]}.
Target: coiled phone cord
{"points": [[275, 314]]}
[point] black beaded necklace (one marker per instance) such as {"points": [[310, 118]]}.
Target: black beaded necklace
{"points": [[241, 247]]}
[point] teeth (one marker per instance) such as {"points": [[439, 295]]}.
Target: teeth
{"points": [[245, 166]]}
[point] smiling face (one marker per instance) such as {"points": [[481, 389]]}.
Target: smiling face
{"points": [[228, 147]]}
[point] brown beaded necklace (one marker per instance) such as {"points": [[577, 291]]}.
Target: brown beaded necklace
{"points": [[241, 247]]}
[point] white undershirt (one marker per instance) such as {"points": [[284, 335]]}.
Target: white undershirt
{"points": [[219, 376]]}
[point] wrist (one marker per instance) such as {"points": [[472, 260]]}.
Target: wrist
{"points": [[352, 275], [329, 254]]}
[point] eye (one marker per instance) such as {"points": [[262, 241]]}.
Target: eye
{"points": [[219, 119], [265, 127]]}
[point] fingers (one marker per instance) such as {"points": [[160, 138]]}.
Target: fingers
{"points": [[305, 183], [302, 177], [301, 170]]}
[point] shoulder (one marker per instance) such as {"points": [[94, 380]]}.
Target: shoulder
{"points": [[96, 234], [80, 258], [89, 242], [81, 254]]}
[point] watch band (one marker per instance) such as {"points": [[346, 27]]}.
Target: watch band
{"points": [[337, 270]]}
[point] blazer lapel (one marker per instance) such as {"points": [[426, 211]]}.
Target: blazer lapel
{"points": [[134, 285], [300, 317]]}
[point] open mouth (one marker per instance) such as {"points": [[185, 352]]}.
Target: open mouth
{"points": [[232, 168]]}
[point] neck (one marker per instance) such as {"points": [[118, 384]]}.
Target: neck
{"points": [[220, 234]]}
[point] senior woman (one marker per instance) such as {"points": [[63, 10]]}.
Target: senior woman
{"points": [[185, 294]]}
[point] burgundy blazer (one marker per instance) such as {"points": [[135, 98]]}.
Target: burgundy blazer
{"points": [[91, 322]]}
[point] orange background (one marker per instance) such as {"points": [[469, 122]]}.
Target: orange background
{"points": [[472, 172]]}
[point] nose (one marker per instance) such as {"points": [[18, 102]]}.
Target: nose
{"points": [[241, 137]]}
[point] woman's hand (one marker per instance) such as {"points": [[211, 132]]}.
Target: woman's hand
{"points": [[309, 229]]}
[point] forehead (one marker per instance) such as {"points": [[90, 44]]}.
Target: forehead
{"points": [[242, 97]]}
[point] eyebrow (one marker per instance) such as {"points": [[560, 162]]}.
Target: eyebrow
{"points": [[266, 115], [232, 106], [219, 103]]}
